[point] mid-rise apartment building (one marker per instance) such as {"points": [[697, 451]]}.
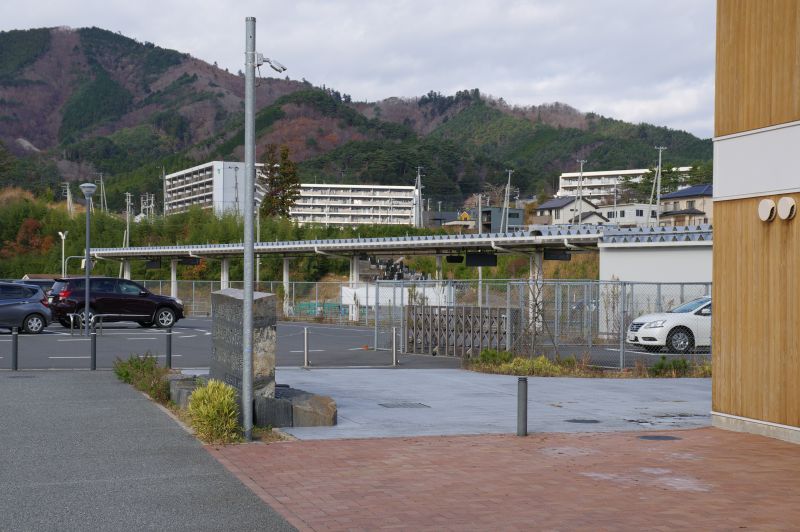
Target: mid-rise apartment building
{"points": [[348, 205], [217, 185]]}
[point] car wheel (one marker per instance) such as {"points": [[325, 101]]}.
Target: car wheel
{"points": [[165, 317], [680, 340], [33, 324], [652, 348]]}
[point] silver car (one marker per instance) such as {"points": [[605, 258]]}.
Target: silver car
{"points": [[24, 306]]}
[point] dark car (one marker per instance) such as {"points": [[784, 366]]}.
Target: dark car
{"points": [[115, 300], [45, 284], [23, 306]]}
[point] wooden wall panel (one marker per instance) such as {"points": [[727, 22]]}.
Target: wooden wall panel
{"points": [[756, 315], [758, 64]]}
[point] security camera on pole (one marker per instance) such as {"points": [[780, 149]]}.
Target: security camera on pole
{"points": [[252, 60]]}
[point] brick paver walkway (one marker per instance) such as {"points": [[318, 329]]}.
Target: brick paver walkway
{"points": [[708, 479]]}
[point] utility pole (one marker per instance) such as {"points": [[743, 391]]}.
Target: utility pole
{"points": [[102, 186], [506, 199], [580, 191], [418, 201], [128, 205], [658, 186]]}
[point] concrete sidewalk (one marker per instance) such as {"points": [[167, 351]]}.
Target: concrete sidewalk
{"points": [[82, 451]]}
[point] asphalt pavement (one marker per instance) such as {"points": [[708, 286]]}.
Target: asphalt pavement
{"points": [[83, 451]]}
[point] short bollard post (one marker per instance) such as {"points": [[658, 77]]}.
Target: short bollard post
{"points": [[522, 406], [394, 346], [93, 336], [14, 348], [305, 347], [168, 361]]}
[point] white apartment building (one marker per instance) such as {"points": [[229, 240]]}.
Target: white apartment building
{"points": [[598, 187], [347, 205], [217, 185]]}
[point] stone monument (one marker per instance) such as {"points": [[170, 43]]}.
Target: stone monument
{"points": [[226, 360]]}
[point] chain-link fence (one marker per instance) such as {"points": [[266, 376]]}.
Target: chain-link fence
{"points": [[584, 319]]}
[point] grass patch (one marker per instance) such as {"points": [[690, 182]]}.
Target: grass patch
{"points": [[144, 373], [505, 363]]}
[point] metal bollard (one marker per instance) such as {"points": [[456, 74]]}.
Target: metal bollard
{"points": [[14, 348], [305, 347], [168, 361], [522, 406], [93, 336], [394, 346]]}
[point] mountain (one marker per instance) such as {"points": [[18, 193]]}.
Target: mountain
{"points": [[74, 103]]}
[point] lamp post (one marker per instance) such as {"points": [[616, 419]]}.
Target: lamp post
{"points": [[88, 191], [63, 236]]}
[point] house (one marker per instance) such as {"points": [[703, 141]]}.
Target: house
{"points": [[629, 214], [562, 210], [688, 206], [590, 218]]}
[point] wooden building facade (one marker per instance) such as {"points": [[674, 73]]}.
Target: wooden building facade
{"points": [[756, 265]]}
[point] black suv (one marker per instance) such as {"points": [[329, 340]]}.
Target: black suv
{"points": [[114, 299]]}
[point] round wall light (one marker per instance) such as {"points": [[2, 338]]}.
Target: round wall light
{"points": [[766, 210], [786, 208]]}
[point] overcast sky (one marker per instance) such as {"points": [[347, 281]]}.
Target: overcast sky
{"points": [[637, 60]]}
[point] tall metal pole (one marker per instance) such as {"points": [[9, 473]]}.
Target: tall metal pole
{"points": [[658, 186], [250, 174], [580, 192]]}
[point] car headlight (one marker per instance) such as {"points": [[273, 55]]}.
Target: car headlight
{"points": [[178, 300], [655, 324]]}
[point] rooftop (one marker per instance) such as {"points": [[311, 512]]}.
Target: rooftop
{"points": [[695, 190]]}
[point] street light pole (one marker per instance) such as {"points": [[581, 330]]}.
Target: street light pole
{"points": [[63, 236], [88, 191]]}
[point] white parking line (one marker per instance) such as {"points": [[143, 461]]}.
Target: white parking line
{"points": [[188, 336], [310, 351], [359, 349]]}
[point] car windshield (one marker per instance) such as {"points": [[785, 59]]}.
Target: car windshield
{"points": [[691, 306]]}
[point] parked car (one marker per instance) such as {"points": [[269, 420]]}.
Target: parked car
{"points": [[680, 330], [24, 306], [45, 284], [114, 299]]}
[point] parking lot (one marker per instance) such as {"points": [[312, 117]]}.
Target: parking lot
{"points": [[329, 346]]}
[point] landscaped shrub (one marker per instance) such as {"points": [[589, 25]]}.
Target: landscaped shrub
{"points": [[493, 356], [214, 413], [144, 373]]}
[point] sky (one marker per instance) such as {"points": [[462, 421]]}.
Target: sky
{"points": [[635, 60]]}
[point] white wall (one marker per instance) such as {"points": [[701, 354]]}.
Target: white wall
{"points": [[757, 163], [685, 262]]}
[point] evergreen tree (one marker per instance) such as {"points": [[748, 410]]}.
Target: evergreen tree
{"points": [[280, 180], [6, 164]]}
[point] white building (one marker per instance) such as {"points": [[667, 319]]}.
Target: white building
{"points": [[598, 187], [629, 214], [347, 205], [217, 185]]}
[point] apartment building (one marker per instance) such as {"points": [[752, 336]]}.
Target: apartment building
{"points": [[217, 185], [598, 187], [348, 205]]}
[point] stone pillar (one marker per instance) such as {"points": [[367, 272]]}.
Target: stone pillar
{"points": [[173, 278], [126, 269], [226, 358], [286, 287], [224, 276]]}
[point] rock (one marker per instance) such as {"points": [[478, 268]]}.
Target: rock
{"points": [[270, 411], [313, 411], [180, 389]]}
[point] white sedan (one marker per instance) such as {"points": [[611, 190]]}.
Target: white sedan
{"points": [[680, 330]]}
